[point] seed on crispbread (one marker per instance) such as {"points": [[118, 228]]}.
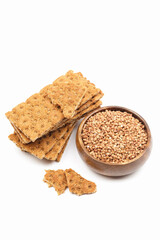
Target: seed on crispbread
{"points": [[77, 184], [56, 179]]}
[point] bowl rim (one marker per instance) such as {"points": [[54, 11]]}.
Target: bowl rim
{"points": [[115, 108]]}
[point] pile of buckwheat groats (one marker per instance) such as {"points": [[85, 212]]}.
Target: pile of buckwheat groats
{"points": [[114, 136]]}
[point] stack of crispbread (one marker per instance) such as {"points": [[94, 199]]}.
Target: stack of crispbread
{"points": [[44, 122]]}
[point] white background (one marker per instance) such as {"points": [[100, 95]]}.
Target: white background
{"points": [[116, 45]]}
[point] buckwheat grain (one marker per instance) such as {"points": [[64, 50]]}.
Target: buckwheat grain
{"points": [[114, 136]]}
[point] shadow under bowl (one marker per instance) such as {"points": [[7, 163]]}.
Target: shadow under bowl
{"points": [[113, 169]]}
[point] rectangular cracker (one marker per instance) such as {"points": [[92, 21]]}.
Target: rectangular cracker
{"points": [[25, 140], [90, 102], [91, 88], [53, 153], [83, 113], [62, 151], [56, 179], [90, 105], [35, 117], [67, 94], [87, 110], [21, 136], [43, 145], [77, 184]]}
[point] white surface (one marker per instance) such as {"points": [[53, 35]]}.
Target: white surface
{"points": [[115, 44]]}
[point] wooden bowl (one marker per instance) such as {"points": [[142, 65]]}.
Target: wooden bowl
{"points": [[113, 169]]}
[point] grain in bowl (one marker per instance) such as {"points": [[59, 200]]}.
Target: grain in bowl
{"points": [[114, 136]]}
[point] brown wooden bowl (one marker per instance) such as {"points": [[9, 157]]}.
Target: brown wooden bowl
{"points": [[113, 169]]}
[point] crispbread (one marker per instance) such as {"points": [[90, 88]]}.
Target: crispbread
{"points": [[56, 179], [67, 94], [82, 113], [75, 77], [53, 153], [78, 115], [87, 107], [89, 102], [36, 117], [62, 151], [77, 184], [91, 89], [43, 145], [87, 110], [21, 136]]}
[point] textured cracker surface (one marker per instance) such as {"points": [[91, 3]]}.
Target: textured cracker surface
{"points": [[77, 184], [91, 88], [83, 113], [21, 136], [56, 179], [87, 107], [90, 102], [54, 152], [87, 110], [36, 117], [67, 94], [43, 145], [62, 151]]}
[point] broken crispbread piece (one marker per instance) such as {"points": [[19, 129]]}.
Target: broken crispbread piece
{"points": [[35, 117], [91, 88], [56, 179], [68, 95], [42, 145], [77, 184]]}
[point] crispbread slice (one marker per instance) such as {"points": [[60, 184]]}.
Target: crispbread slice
{"points": [[87, 107], [35, 117], [77, 184], [90, 102], [43, 145], [83, 113], [62, 151], [91, 89], [67, 94], [87, 110], [53, 153], [76, 77], [56, 179], [21, 136]]}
